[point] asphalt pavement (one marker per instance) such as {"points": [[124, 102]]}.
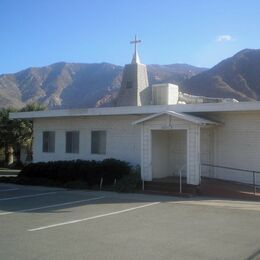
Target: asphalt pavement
{"points": [[53, 223]]}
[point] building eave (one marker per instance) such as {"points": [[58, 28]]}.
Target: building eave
{"points": [[139, 110]]}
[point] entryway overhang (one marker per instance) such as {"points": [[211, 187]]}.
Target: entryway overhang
{"points": [[194, 119], [159, 136]]}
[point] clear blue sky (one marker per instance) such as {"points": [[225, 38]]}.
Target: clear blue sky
{"points": [[197, 32]]}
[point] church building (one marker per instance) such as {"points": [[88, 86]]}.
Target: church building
{"points": [[157, 127]]}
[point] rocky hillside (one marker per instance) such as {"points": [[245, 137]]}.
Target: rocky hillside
{"points": [[236, 77], [59, 85], [74, 85]]}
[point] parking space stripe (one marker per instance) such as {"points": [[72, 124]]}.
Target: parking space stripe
{"points": [[29, 196], [222, 204], [91, 218], [11, 189], [51, 206]]}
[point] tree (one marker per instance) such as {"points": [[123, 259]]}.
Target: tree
{"points": [[26, 129], [9, 133], [16, 133]]}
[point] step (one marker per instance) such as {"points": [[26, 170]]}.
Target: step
{"points": [[169, 187]]}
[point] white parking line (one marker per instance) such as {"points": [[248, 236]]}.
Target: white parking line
{"points": [[29, 196], [255, 206], [51, 206], [11, 189], [90, 218]]}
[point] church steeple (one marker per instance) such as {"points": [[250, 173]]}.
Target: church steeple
{"points": [[134, 89], [135, 58]]}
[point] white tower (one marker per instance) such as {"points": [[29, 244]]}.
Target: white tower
{"points": [[134, 89]]}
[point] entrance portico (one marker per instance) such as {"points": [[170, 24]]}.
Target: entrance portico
{"points": [[169, 153], [170, 142]]}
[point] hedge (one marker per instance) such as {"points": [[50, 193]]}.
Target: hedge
{"points": [[130, 182], [90, 172]]}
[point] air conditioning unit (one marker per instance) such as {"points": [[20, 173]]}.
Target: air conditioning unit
{"points": [[165, 94]]}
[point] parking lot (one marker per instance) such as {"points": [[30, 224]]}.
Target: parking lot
{"points": [[53, 223]]}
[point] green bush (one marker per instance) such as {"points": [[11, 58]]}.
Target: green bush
{"points": [[130, 182], [112, 169], [90, 172]]}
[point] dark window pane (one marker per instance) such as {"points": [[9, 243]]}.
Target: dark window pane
{"points": [[129, 84], [72, 142], [98, 142], [48, 142]]}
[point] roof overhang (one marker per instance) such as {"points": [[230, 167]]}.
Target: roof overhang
{"points": [[140, 110], [193, 119]]}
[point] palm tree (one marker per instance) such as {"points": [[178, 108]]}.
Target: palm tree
{"points": [[26, 129], [16, 133], [9, 133]]}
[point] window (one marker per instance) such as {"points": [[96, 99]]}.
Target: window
{"points": [[129, 84], [98, 142], [72, 142], [48, 142]]}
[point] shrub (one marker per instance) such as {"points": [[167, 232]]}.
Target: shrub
{"points": [[80, 170], [2, 163], [130, 182], [114, 169]]}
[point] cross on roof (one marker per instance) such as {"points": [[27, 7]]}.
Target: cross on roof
{"points": [[135, 41]]}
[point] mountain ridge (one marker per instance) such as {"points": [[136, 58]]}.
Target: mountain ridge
{"points": [[77, 85], [72, 85], [235, 77]]}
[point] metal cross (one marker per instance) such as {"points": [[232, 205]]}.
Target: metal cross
{"points": [[135, 41]]}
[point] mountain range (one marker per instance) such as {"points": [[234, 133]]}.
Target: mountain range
{"points": [[77, 85], [236, 77]]}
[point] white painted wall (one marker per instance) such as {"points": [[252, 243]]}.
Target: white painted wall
{"points": [[178, 151], [237, 144], [123, 139], [169, 152], [207, 151], [160, 154]]}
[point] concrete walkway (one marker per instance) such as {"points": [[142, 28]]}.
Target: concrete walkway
{"points": [[208, 187], [228, 189]]}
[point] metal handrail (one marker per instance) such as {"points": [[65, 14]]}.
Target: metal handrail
{"points": [[236, 169]]}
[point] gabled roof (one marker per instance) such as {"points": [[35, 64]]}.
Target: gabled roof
{"points": [[193, 119]]}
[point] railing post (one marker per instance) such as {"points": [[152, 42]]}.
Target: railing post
{"points": [[200, 172], [254, 183], [180, 173], [143, 185], [101, 183]]}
